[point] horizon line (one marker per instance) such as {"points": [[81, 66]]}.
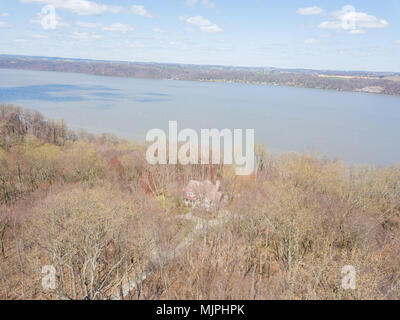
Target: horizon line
{"points": [[199, 64]]}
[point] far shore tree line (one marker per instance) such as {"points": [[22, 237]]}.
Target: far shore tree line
{"points": [[378, 82]]}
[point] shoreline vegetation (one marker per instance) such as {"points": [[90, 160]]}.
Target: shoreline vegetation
{"points": [[91, 207], [387, 83]]}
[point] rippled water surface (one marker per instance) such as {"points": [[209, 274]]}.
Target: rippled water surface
{"points": [[355, 127]]}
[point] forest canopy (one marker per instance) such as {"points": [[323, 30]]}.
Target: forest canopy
{"points": [[91, 207]]}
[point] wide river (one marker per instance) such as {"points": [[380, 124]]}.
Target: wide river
{"points": [[354, 127]]}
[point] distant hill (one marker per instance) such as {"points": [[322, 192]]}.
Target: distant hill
{"points": [[356, 81]]}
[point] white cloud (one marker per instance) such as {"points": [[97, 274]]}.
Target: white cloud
{"points": [[212, 28], [310, 11], [85, 36], [158, 30], [204, 24], [80, 35], [135, 44], [352, 21], [356, 31], [118, 27], [208, 3], [310, 41], [141, 11], [205, 3], [397, 41], [80, 7], [38, 36], [198, 21], [20, 40], [87, 24], [332, 25], [5, 14], [4, 25], [191, 3]]}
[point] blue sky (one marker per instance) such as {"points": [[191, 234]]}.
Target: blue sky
{"points": [[289, 34]]}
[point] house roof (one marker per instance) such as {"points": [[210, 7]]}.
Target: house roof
{"points": [[204, 189], [190, 195]]}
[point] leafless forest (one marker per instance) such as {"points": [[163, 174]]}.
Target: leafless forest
{"points": [[115, 227]]}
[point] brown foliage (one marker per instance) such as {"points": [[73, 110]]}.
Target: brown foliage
{"points": [[91, 209]]}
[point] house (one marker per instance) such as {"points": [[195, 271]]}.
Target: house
{"points": [[203, 194]]}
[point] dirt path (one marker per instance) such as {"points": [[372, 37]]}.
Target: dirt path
{"points": [[161, 258]]}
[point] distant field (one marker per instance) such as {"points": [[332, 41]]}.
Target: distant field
{"points": [[346, 77], [394, 78]]}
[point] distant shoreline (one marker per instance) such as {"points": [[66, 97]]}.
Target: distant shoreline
{"points": [[343, 81]]}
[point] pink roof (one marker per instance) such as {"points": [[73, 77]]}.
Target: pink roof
{"points": [[203, 189], [190, 195]]}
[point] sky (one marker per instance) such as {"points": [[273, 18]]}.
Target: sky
{"points": [[335, 35]]}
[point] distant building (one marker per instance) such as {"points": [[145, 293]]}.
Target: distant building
{"points": [[202, 194]]}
